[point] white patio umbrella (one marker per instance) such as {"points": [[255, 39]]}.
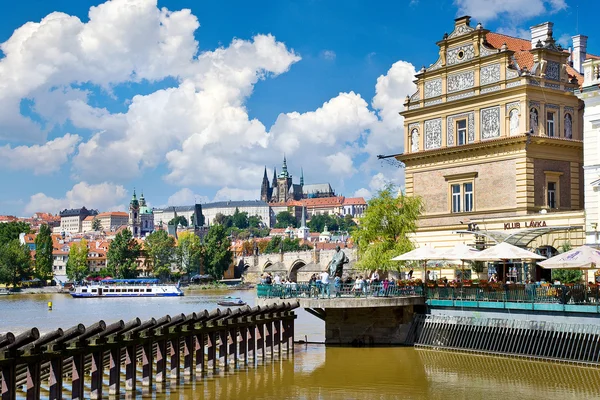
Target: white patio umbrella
{"points": [[505, 251], [583, 257], [460, 252], [424, 254]]}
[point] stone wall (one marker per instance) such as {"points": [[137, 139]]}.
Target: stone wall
{"points": [[368, 326]]}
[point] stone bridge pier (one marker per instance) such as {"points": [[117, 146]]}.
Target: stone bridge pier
{"points": [[297, 266], [369, 321]]}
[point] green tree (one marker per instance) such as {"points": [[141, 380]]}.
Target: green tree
{"points": [[160, 249], [278, 244], [189, 253], [15, 262], [217, 254], [285, 219], [317, 223], [180, 219], [224, 220], [240, 219], [77, 266], [96, 225], [347, 223], [11, 230], [43, 253], [567, 275], [122, 255], [384, 230], [254, 221]]}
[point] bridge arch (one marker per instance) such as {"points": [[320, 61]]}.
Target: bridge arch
{"points": [[294, 267]]}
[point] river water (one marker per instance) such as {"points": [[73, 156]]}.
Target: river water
{"points": [[314, 372]]}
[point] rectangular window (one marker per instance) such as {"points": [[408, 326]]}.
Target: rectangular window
{"points": [[551, 194], [468, 194], [550, 124], [461, 132], [455, 198]]}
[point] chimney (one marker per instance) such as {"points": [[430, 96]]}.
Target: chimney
{"points": [[541, 33], [579, 52]]}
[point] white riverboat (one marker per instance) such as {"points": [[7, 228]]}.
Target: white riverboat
{"points": [[127, 288]]}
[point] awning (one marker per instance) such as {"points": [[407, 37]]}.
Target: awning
{"points": [[523, 237]]}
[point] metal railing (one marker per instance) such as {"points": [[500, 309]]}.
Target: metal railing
{"points": [[529, 293], [318, 290]]}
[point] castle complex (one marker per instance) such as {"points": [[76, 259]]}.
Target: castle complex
{"points": [[283, 189]]}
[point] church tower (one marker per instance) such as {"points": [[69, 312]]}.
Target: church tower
{"points": [[134, 216], [284, 182], [265, 189]]}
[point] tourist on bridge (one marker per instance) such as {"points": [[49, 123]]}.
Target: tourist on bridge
{"points": [[325, 283]]}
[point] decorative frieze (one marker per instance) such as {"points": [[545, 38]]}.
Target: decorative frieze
{"points": [[460, 30], [533, 82], [513, 84], [460, 54], [462, 81], [433, 133], [552, 85], [514, 104], [461, 95], [433, 88], [416, 96], [511, 73], [414, 106], [553, 106], [490, 89], [489, 74], [451, 123], [484, 51], [569, 109], [533, 103], [553, 71], [490, 122], [437, 65], [432, 102]]}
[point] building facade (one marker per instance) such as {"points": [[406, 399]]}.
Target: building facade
{"points": [[71, 221], [111, 221], [494, 142], [252, 207], [590, 94]]}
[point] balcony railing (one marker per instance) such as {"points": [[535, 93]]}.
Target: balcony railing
{"points": [[317, 290]]}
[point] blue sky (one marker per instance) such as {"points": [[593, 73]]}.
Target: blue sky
{"points": [[189, 100]]}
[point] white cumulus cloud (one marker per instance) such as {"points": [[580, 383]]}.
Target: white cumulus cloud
{"points": [[487, 10], [104, 196], [41, 159], [185, 196]]}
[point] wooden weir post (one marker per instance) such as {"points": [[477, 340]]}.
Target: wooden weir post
{"points": [[236, 334]]}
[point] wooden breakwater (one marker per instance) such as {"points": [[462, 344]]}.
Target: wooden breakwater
{"points": [[573, 343], [72, 363]]}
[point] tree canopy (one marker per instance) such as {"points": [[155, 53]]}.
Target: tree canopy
{"points": [[334, 223], [43, 253], [279, 244], [96, 225], [15, 262], [285, 219], [160, 249], [122, 254], [180, 219], [384, 229], [189, 253], [217, 255], [77, 266], [11, 230]]}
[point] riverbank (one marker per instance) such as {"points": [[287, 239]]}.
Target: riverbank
{"points": [[40, 290]]}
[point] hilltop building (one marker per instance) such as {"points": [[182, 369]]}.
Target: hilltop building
{"points": [[282, 188], [71, 221], [494, 143]]}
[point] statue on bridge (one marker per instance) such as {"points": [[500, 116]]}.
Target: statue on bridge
{"points": [[336, 265]]}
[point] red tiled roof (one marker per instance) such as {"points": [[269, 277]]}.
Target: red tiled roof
{"points": [[7, 218], [113, 214], [354, 201], [89, 218], [524, 58], [323, 201]]}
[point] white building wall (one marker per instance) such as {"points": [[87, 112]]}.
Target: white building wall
{"points": [[590, 94]]}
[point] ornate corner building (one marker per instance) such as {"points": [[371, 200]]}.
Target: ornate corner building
{"points": [[494, 140]]}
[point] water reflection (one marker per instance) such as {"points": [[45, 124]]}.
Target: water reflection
{"points": [[395, 373]]}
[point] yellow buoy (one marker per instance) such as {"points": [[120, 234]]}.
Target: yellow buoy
{"points": [[49, 306]]}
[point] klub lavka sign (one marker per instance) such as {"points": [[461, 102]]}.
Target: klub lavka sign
{"points": [[521, 225]]}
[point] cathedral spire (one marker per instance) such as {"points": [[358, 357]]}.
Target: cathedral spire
{"points": [[274, 177], [301, 176], [265, 178], [284, 171]]}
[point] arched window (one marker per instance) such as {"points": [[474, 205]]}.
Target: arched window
{"points": [[533, 120], [568, 126]]}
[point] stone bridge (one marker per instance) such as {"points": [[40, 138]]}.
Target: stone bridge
{"points": [[298, 266]]}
